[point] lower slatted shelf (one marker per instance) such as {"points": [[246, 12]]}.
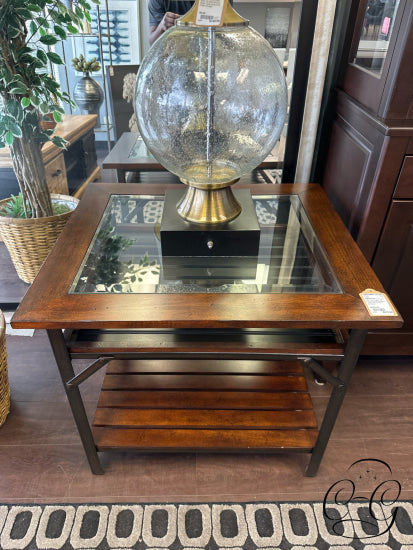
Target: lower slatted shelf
{"points": [[150, 407]]}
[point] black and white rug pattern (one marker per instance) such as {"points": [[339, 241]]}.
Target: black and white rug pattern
{"points": [[253, 526]]}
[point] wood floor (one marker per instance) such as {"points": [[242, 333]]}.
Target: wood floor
{"points": [[41, 458]]}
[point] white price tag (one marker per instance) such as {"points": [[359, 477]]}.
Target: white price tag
{"points": [[377, 303], [210, 12]]}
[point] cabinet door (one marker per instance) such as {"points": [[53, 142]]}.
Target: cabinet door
{"points": [[393, 261], [56, 175], [89, 152], [378, 70]]}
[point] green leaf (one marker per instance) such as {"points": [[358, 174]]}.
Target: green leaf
{"points": [[60, 32], [33, 27], [49, 40], [25, 102], [19, 90], [12, 107], [25, 49], [57, 116], [24, 13], [6, 75], [72, 29], [41, 56], [44, 107], [50, 84], [43, 22], [59, 142], [33, 7], [13, 30], [55, 58], [26, 59], [16, 130], [42, 136], [9, 138], [58, 109]]}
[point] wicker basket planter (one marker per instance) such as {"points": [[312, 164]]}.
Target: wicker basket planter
{"points": [[4, 379], [29, 241]]}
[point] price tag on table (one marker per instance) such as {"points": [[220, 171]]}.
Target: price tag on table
{"points": [[377, 303], [210, 12]]}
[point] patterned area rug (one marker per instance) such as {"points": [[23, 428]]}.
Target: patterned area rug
{"points": [[270, 526]]}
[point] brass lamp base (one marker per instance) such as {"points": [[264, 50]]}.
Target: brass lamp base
{"points": [[208, 206]]}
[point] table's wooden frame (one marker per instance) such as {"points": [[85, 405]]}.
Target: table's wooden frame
{"points": [[118, 159], [47, 305]]}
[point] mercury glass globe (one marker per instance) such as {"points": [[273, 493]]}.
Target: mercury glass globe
{"points": [[211, 104]]}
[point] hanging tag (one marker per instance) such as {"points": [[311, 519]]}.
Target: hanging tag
{"points": [[377, 303], [210, 12]]}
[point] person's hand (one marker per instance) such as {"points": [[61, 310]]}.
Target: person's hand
{"points": [[168, 20]]}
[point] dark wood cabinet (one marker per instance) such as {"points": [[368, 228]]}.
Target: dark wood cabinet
{"points": [[368, 172]]}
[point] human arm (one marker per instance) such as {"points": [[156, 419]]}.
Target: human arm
{"points": [[167, 21]]}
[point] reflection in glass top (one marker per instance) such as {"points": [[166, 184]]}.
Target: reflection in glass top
{"points": [[139, 149], [125, 254], [375, 34]]}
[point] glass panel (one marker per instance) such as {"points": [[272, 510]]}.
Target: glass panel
{"points": [[125, 254], [139, 150], [375, 35]]}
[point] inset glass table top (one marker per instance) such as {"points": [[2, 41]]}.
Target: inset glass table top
{"points": [[125, 254]]}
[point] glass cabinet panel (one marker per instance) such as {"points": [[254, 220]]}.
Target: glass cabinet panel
{"points": [[375, 35]]}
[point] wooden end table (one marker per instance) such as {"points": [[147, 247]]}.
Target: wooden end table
{"points": [[200, 354], [130, 154]]}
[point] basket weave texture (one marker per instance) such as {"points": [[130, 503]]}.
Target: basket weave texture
{"points": [[30, 240], [4, 378]]}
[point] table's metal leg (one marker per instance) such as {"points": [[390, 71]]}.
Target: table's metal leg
{"points": [[64, 364], [345, 371]]}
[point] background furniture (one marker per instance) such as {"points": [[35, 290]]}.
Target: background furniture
{"points": [[120, 78], [130, 154], [67, 171], [368, 172], [301, 304]]}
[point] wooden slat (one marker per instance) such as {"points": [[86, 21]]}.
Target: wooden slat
{"points": [[152, 405], [178, 366], [204, 382], [211, 440], [205, 400], [222, 419]]}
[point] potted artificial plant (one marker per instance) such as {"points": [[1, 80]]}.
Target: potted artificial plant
{"points": [[28, 95]]}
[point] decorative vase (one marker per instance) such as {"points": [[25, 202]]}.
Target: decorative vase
{"points": [[88, 95]]}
